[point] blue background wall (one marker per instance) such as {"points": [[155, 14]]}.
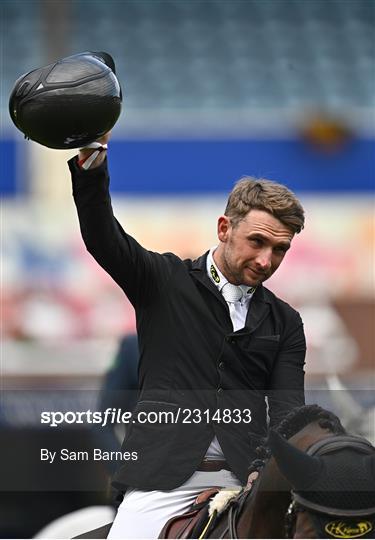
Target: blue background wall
{"points": [[200, 166]]}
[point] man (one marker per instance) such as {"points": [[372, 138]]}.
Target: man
{"points": [[218, 351]]}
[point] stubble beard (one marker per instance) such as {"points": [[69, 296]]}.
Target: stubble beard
{"points": [[237, 277], [231, 274]]}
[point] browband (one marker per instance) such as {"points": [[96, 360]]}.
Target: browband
{"points": [[331, 511], [330, 444]]}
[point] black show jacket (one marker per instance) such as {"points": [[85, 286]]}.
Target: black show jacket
{"points": [[192, 365]]}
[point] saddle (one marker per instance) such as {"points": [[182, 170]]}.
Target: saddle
{"points": [[192, 523], [199, 521]]}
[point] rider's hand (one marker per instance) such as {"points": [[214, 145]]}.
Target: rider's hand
{"points": [[84, 153], [251, 479]]}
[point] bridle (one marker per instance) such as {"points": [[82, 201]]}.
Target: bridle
{"points": [[320, 448]]}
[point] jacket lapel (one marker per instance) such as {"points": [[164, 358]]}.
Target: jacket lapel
{"points": [[199, 272], [258, 310]]}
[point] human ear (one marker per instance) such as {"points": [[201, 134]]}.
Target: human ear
{"points": [[223, 226]]}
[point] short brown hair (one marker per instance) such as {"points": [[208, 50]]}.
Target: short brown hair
{"points": [[258, 193]]}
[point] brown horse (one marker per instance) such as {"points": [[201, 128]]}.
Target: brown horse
{"points": [[326, 502]]}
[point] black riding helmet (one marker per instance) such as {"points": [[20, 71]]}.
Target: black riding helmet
{"points": [[69, 103]]}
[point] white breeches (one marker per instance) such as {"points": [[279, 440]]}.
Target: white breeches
{"points": [[142, 514]]}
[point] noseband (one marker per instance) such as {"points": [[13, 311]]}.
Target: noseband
{"points": [[321, 448]]}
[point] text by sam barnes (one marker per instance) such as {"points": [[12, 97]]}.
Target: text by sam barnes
{"points": [[96, 454]]}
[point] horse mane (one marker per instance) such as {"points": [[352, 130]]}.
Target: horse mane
{"points": [[300, 417], [293, 422]]}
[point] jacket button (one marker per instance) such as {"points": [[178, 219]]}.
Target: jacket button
{"points": [[219, 390], [221, 365], [229, 339]]}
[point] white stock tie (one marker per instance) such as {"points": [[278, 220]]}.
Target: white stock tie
{"points": [[232, 293]]}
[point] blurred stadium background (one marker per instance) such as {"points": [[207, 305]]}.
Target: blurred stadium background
{"points": [[213, 90]]}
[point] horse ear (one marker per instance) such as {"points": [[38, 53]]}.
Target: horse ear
{"points": [[298, 468]]}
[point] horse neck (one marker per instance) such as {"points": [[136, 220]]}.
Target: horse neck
{"points": [[264, 516]]}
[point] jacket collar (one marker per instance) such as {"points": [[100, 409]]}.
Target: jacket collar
{"points": [[259, 305], [198, 271]]}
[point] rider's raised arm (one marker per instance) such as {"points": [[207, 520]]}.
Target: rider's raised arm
{"points": [[132, 267]]}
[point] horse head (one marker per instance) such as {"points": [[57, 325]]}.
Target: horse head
{"points": [[288, 470], [333, 481]]}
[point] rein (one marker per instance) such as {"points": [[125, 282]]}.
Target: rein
{"points": [[234, 511]]}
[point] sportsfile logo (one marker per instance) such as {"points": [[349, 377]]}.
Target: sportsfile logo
{"points": [[345, 529], [117, 416]]}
